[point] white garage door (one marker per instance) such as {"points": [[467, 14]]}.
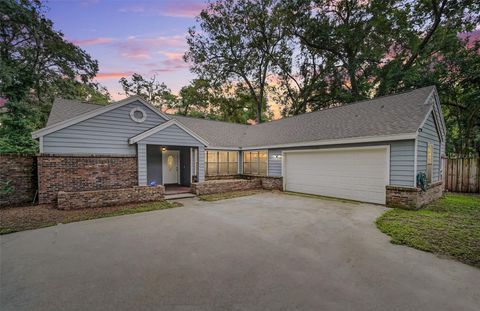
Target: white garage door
{"points": [[355, 173]]}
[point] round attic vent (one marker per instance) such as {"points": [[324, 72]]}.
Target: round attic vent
{"points": [[138, 114]]}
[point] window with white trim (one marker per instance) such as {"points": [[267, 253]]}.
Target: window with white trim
{"points": [[219, 162], [255, 162]]}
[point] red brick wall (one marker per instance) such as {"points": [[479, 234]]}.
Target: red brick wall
{"points": [[82, 173], [103, 198], [219, 186], [19, 171], [413, 198]]}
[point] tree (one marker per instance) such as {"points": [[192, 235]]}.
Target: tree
{"points": [[36, 65], [193, 98], [16, 127], [150, 89], [203, 99], [240, 41]]}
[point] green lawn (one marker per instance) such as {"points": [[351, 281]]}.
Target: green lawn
{"points": [[39, 216], [449, 226], [228, 195]]}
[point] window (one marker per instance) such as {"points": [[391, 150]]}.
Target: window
{"points": [[429, 162], [221, 162], [255, 162], [138, 114]]}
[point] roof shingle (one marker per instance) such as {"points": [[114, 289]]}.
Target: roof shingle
{"points": [[389, 115]]}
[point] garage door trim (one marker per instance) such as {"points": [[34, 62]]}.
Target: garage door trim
{"points": [[381, 147]]}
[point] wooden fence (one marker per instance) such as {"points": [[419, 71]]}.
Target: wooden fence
{"points": [[462, 175]]}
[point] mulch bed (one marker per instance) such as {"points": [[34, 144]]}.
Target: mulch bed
{"points": [[14, 219]]}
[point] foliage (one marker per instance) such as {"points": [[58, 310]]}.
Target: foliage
{"points": [[449, 226], [16, 127], [308, 55], [6, 187], [240, 41], [204, 99], [36, 65], [151, 90]]}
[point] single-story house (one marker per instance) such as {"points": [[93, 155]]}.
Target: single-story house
{"points": [[367, 151]]}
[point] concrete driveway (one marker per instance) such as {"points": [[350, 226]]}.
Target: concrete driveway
{"points": [[264, 252]]}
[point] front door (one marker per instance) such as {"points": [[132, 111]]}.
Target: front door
{"points": [[170, 167]]}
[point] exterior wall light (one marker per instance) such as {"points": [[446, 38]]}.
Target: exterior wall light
{"points": [[164, 149], [277, 157]]}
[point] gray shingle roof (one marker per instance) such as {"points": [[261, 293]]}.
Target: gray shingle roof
{"points": [[64, 109], [389, 115], [217, 133]]}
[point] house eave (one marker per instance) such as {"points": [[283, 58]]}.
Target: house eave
{"points": [[163, 126], [60, 125], [354, 140]]}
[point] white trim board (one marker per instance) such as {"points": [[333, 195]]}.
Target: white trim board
{"points": [[163, 126], [60, 125], [367, 139]]}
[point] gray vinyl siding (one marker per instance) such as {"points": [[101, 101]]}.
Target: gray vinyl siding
{"points": [[107, 133], [142, 164], [201, 163], [429, 134], [274, 165], [174, 136], [402, 160]]}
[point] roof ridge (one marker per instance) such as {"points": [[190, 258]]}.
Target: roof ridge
{"points": [[195, 118]]}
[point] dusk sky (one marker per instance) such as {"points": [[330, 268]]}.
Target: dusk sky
{"points": [[147, 37]]}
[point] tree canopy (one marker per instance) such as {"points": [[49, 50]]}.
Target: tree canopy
{"points": [[37, 64], [312, 54]]}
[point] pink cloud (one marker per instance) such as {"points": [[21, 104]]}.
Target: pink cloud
{"points": [[145, 48], [91, 41], [170, 65], [167, 8], [113, 75], [183, 9]]}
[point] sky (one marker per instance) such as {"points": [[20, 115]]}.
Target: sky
{"points": [[126, 37]]}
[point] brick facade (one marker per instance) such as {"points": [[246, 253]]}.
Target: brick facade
{"points": [[268, 182], [103, 198], [19, 173], [219, 186], [83, 173], [413, 198]]}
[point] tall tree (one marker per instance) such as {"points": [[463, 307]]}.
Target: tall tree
{"points": [[193, 98], [238, 42], [151, 90], [37, 64]]}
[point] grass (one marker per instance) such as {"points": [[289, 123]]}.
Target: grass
{"points": [[41, 216], [448, 227], [228, 195]]}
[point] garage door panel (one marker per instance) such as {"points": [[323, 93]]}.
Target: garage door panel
{"points": [[328, 181], [356, 174]]}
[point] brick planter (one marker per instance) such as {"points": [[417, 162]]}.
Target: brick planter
{"points": [[20, 172], [103, 198], [413, 198], [268, 182], [83, 173], [219, 186]]}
